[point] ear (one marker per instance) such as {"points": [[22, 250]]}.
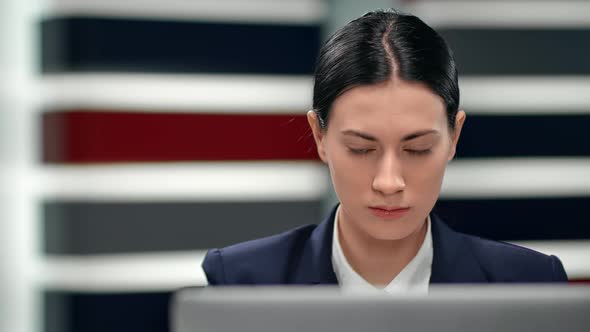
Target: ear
{"points": [[459, 121], [318, 134]]}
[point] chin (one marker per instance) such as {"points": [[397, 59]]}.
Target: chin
{"points": [[391, 235], [392, 230]]}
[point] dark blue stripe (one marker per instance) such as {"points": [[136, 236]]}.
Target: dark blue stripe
{"points": [[75, 44], [519, 219], [509, 51], [135, 45], [525, 136], [89, 312]]}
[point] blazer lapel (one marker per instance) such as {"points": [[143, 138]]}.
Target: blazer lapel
{"points": [[315, 266], [453, 260]]}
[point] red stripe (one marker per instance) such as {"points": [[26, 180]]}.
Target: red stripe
{"points": [[580, 281], [97, 137]]}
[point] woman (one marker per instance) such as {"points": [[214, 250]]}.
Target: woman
{"points": [[386, 121]]}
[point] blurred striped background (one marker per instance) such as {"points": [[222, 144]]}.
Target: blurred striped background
{"points": [[138, 134]]}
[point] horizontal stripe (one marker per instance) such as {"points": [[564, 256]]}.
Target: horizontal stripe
{"points": [[95, 137], [521, 13], [464, 179], [184, 182], [75, 312], [256, 11], [156, 272], [517, 178], [187, 93], [523, 219], [511, 51], [139, 45], [279, 94], [580, 282], [573, 254], [79, 136], [118, 227], [68, 44], [525, 135], [525, 94], [123, 273]]}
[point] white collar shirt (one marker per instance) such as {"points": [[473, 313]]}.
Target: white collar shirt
{"points": [[415, 277]]}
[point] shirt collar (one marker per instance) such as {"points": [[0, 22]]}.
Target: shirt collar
{"points": [[414, 277]]}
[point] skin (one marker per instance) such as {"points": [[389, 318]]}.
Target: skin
{"points": [[386, 145]]}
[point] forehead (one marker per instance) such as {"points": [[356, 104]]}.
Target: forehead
{"points": [[391, 108]]}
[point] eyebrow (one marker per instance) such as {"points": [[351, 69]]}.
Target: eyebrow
{"points": [[408, 137], [419, 134]]}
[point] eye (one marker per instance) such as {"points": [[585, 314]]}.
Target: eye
{"points": [[360, 151], [419, 152]]}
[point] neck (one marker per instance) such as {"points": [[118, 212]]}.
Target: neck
{"points": [[378, 261]]}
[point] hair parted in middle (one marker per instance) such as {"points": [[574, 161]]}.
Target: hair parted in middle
{"points": [[379, 46]]}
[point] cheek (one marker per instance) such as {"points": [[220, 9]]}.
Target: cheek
{"points": [[426, 178], [349, 174]]}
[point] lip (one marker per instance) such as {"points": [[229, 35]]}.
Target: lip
{"points": [[389, 212]]}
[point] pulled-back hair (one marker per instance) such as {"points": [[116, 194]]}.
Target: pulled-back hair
{"points": [[380, 46]]}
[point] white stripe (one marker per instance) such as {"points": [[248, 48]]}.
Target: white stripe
{"points": [[517, 177], [187, 93], [170, 271], [255, 11], [206, 181], [126, 272], [501, 14], [487, 178], [573, 254], [288, 94], [525, 95]]}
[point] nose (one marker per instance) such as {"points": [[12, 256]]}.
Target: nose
{"points": [[388, 178]]}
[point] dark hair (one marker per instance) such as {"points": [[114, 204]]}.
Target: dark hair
{"points": [[373, 48]]}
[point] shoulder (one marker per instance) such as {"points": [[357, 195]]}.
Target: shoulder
{"points": [[260, 261], [505, 262]]}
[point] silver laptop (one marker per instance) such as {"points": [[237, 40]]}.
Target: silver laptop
{"points": [[516, 308]]}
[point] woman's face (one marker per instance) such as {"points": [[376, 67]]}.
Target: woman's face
{"points": [[387, 147]]}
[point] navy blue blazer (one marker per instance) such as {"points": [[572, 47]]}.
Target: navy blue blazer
{"points": [[304, 256]]}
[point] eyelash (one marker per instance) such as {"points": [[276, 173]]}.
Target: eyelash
{"points": [[412, 152], [360, 151], [419, 152]]}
